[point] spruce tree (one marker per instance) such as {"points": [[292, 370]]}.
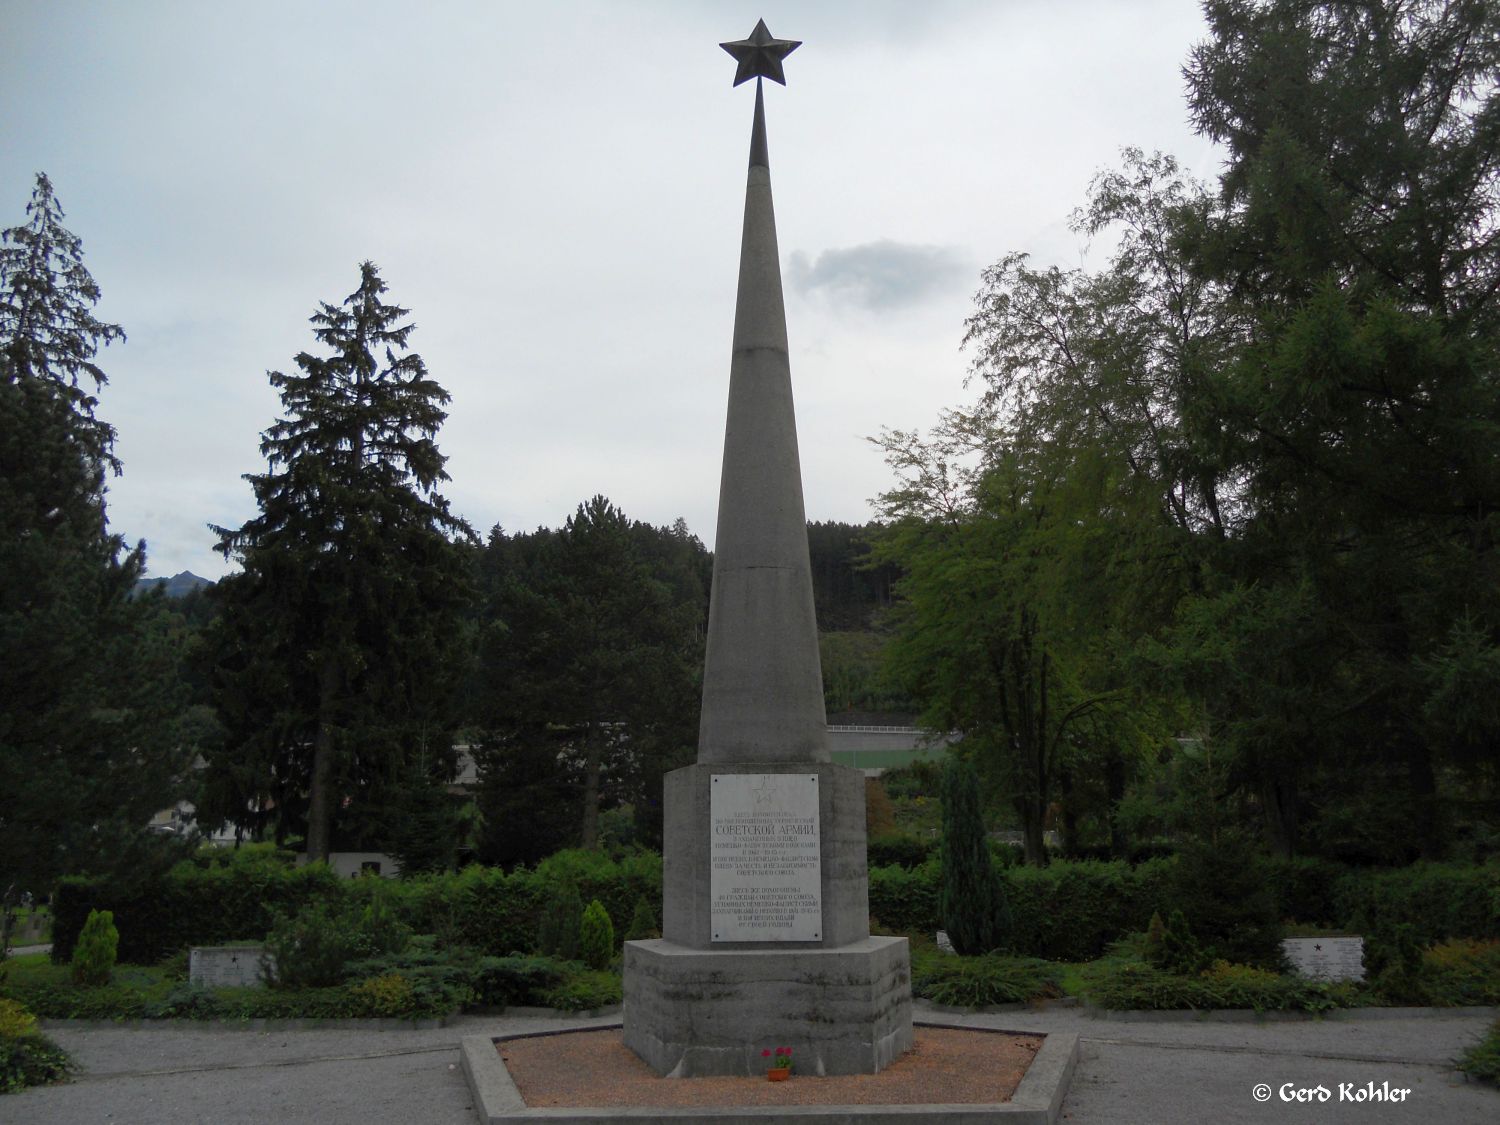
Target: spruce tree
{"points": [[353, 591], [88, 701]]}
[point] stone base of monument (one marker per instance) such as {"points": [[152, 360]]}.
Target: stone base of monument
{"points": [[692, 1013]]}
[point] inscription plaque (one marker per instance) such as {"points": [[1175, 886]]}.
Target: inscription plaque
{"points": [[1326, 958], [767, 867]]}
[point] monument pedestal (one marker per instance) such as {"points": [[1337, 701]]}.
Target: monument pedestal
{"points": [[690, 1013], [774, 849]]}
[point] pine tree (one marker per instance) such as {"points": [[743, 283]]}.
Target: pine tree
{"points": [[88, 702], [354, 584]]}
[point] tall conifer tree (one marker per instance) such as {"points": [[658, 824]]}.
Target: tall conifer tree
{"points": [[341, 641], [88, 749]]}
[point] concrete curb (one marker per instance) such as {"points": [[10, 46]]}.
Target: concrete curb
{"points": [[250, 1025], [371, 1024], [1248, 1015], [1061, 1003], [1038, 1099]]}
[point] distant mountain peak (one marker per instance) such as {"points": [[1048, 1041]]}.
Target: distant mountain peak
{"points": [[178, 586]]}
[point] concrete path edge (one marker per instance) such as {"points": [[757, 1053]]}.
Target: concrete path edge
{"points": [[1037, 1101]]}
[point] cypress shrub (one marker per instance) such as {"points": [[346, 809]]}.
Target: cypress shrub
{"points": [[94, 955], [642, 922], [596, 937], [972, 901], [562, 919]]}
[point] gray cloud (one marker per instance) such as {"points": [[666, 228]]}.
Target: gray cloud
{"points": [[879, 275]]}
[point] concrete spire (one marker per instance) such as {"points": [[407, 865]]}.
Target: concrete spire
{"points": [[762, 678]]}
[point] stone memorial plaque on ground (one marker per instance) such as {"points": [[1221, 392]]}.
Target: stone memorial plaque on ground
{"points": [[1327, 958], [226, 966], [766, 879]]}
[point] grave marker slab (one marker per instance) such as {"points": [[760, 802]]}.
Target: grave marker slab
{"points": [[1326, 958]]}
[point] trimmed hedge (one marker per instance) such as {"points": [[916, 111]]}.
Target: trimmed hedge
{"points": [[1072, 911], [225, 895], [1068, 911], [1438, 900], [221, 895]]}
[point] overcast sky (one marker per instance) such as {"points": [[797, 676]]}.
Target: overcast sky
{"points": [[555, 190]]}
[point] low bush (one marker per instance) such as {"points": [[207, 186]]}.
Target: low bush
{"points": [[1449, 974], [1125, 983], [978, 982], [314, 948], [899, 849], [1482, 1060], [30, 1059], [505, 981], [585, 991]]}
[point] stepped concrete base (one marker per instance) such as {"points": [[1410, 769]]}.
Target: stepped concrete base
{"points": [[691, 1013]]}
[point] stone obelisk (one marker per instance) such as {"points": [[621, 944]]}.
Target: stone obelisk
{"points": [[765, 915]]}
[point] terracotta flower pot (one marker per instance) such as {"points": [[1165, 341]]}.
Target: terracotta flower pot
{"points": [[779, 1074]]}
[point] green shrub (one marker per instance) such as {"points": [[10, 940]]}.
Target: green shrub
{"points": [[313, 948], [596, 937], [1179, 953], [98, 944], [643, 923], [389, 995], [30, 1059], [977, 982], [616, 882], [898, 849], [1073, 910], [562, 919], [1304, 888], [15, 1019], [309, 949], [1155, 951], [1127, 984], [1440, 901], [972, 902], [1482, 1061], [585, 991], [221, 895], [1449, 974], [1223, 889], [507, 981], [185, 1001], [1393, 962], [49, 992], [906, 901], [237, 894]]}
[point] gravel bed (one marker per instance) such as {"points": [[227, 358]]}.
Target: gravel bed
{"points": [[595, 1068]]}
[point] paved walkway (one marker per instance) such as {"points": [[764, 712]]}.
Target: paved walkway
{"points": [[1131, 1073]]}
